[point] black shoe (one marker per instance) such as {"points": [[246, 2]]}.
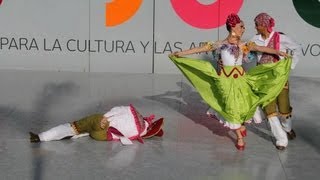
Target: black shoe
{"points": [[281, 148], [291, 135], [34, 138]]}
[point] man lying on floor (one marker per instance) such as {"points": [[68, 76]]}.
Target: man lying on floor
{"points": [[122, 123]]}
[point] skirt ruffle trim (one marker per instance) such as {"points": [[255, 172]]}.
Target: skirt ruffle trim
{"points": [[257, 118]]}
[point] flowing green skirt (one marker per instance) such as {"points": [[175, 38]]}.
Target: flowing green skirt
{"points": [[233, 94]]}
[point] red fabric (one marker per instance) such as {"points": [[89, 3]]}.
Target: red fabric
{"points": [[154, 129], [109, 135], [277, 40], [112, 130], [160, 133], [136, 119], [274, 43], [149, 119], [232, 20]]}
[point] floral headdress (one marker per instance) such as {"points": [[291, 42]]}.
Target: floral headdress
{"points": [[265, 20], [232, 20]]}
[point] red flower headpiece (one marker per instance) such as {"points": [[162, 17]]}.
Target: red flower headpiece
{"points": [[232, 20], [264, 19]]}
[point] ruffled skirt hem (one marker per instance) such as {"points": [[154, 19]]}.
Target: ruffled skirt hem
{"points": [[257, 118]]}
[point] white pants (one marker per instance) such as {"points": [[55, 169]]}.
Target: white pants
{"points": [[278, 132], [57, 133]]}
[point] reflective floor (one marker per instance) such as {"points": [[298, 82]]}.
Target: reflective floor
{"points": [[193, 146]]}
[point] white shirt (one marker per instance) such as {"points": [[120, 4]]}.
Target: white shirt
{"points": [[286, 45], [123, 119], [230, 60]]}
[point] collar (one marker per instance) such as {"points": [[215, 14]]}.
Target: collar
{"points": [[264, 40]]}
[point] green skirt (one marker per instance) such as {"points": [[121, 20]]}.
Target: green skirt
{"points": [[233, 93]]}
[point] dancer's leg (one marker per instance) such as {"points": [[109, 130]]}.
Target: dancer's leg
{"points": [[240, 141]]}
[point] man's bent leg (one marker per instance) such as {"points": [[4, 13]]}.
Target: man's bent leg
{"points": [[92, 125]]}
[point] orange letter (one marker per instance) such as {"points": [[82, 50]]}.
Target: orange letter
{"points": [[119, 11]]}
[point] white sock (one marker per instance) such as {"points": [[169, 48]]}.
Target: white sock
{"points": [[286, 124]]}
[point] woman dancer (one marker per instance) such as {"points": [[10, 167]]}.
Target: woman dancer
{"points": [[233, 94]]}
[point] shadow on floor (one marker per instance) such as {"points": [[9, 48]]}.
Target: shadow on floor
{"points": [[188, 102]]}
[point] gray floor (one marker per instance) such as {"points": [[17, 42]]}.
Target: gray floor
{"points": [[193, 147]]}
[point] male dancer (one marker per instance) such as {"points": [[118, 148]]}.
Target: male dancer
{"points": [[122, 123], [279, 108]]}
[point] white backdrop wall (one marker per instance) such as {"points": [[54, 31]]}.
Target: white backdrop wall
{"points": [[76, 35]]}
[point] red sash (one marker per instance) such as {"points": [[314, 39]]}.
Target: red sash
{"points": [[274, 43]]}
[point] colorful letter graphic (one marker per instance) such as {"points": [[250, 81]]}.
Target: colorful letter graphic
{"points": [[308, 10], [205, 16], [119, 11]]}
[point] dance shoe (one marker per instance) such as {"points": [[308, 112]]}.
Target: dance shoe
{"points": [[240, 147], [291, 135], [281, 148], [34, 138]]}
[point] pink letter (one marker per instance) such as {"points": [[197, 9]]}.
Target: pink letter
{"points": [[205, 16]]}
